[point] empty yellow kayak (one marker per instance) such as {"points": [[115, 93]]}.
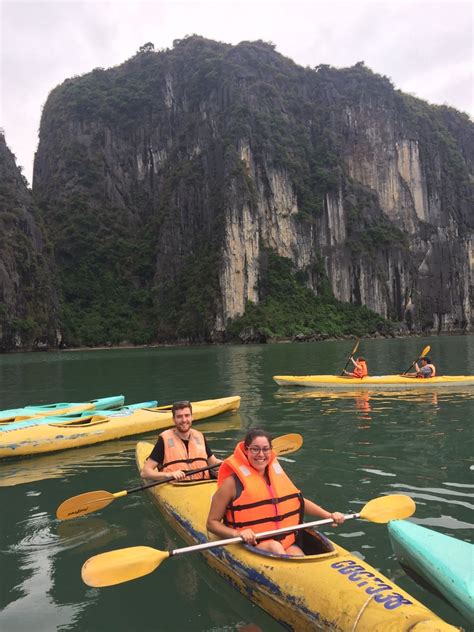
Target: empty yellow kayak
{"points": [[328, 589], [50, 437], [373, 381]]}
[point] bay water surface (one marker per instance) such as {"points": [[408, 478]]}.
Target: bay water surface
{"points": [[357, 445]]}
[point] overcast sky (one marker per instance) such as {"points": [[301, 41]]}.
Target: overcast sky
{"points": [[424, 46]]}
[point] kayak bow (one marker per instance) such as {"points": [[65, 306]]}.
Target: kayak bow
{"points": [[444, 562], [328, 589]]}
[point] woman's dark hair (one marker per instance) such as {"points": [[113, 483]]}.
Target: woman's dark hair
{"points": [[253, 433], [360, 359]]}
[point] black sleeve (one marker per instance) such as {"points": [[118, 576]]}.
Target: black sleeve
{"points": [[158, 452], [208, 449]]}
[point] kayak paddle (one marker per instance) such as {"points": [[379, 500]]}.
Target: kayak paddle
{"points": [[425, 352], [352, 354], [89, 502], [123, 565]]}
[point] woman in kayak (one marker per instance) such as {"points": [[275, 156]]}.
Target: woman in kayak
{"points": [[254, 495], [360, 368]]}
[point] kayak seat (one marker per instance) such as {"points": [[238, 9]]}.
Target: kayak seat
{"points": [[83, 422], [313, 543]]}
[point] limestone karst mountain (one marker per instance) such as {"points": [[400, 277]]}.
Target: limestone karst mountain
{"points": [[198, 191], [28, 301]]}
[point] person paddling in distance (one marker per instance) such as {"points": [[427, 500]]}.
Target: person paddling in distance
{"points": [[360, 368], [254, 495], [426, 370], [179, 449]]}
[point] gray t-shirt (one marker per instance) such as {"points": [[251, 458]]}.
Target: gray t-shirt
{"points": [[426, 371]]}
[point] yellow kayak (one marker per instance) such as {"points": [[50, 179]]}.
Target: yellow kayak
{"points": [[373, 381], [52, 436], [328, 589]]}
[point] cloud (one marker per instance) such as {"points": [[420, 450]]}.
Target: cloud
{"points": [[425, 47]]}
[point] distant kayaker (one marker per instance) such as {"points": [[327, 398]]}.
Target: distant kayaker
{"points": [[360, 368], [254, 494], [426, 370], [179, 449]]}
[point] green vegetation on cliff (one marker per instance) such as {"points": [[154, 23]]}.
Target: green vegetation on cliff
{"points": [[28, 300], [288, 308], [106, 266]]}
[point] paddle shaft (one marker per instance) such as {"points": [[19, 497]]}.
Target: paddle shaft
{"points": [[278, 449], [258, 536], [190, 473], [166, 480], [349, 358], [122, 565], [93, 501], [425, 351]]}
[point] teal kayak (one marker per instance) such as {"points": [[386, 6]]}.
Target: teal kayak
{"points": [[443, 561], [61, 408], [122, 411]]}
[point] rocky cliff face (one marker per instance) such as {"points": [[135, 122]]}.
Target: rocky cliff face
{"points": [[174, 172], [28, 303]]}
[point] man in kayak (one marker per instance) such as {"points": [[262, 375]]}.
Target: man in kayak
{"points": [[360, 368], [179, 449], [426, 370], [254, 495]]}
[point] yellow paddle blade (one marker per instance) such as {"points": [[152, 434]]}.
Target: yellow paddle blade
{"points": [[83, 504], [425, 351], [386, 508], [355, 348], [287, 443], [123, 565]]}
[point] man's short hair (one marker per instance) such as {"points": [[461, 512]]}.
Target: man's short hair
{"points": [[426, 359], [180, 405]]}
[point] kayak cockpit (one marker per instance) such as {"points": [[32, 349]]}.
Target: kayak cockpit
{"points": [[314, 544]]}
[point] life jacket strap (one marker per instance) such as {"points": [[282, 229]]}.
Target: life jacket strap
{"points": [[186, 461], [261, 503], [249, 523]]}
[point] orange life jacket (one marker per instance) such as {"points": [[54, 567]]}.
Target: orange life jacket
{"points": [[177, 458], [260, 506], [361, 369]]}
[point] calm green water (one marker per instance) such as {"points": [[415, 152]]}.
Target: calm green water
{"points": [[356, 447]]}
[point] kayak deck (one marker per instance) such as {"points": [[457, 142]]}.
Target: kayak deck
{"points": [[329, 589], [373, 381], [441, 560], [77, 418]]}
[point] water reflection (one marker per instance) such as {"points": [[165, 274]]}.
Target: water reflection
{"points": [[245, 372], [366, 402], [88, 535], [28, 470], [31, 605]]}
